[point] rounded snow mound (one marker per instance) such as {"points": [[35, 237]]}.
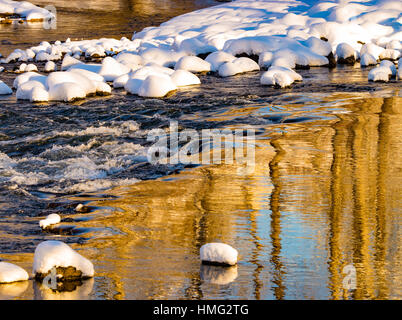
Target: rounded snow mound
{"points": [[218, 253], [12, 273], [58, 255]]}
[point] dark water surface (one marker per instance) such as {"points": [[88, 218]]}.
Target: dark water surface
{"points": [[325, 191]]}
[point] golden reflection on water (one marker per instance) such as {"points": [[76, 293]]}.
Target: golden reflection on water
{"points": [[324, 194]]}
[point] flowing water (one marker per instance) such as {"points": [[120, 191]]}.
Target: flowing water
{"points": [[324, 192]]}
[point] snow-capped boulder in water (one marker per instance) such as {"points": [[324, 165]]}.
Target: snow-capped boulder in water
{"points": [[50, 66], [27, 76], [367, 60], [121, 81], [372, 49], [193, 64], [5, 89], [69, 61], [67, 92], [238, 65], [279, 77], [12, 273], [26, 91], [217, 58], [51, 219], [265, 59], [156, 86], [183, 78], [163, 57], [219, 254], [400, 69], [390, 65], [69, 264], [346, 54], [86, 85], [381, 74], [112, 69]]}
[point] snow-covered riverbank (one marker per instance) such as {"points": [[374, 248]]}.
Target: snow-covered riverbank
{"points": [[22, 10], [280, 35]]}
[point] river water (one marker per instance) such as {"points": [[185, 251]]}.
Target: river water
{"points": [[324, 192]]}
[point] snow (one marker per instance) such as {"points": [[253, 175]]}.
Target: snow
{"points": [[24, 91], [121, 81], [69, 61], [66, 91], [50, 254], [156, 86], [219, 253], [380, 74], [344, 51], [280, 35], [193, 64], [27, 76], [112, 69], [51, 219], [279, 76], [183, 78], [372, 49], [25, 9], [390, 65], [217, 58], [165, 58], [5, 89], [367, 59], [27, 68], [50, 66], [12, 273]]}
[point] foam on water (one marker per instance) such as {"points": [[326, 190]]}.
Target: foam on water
{"points": [[70, 167]]}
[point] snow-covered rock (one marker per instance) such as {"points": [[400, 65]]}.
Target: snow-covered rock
{"points": [[382, 74], [193, 64], [183, 78], [59, 77], [27, 76], [121, 81], [69, 61], [238, 65], [51, 219], [346, 53], [12, 273], [156, 86], [367, 59], [163, 57], [390, 65], [371, 49], [218, 253], [5, 89], [66, 91], [279, 76], [25, 9], [265, 59], [112, 69], [56, 254], [50, 66], [217, 58]]}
